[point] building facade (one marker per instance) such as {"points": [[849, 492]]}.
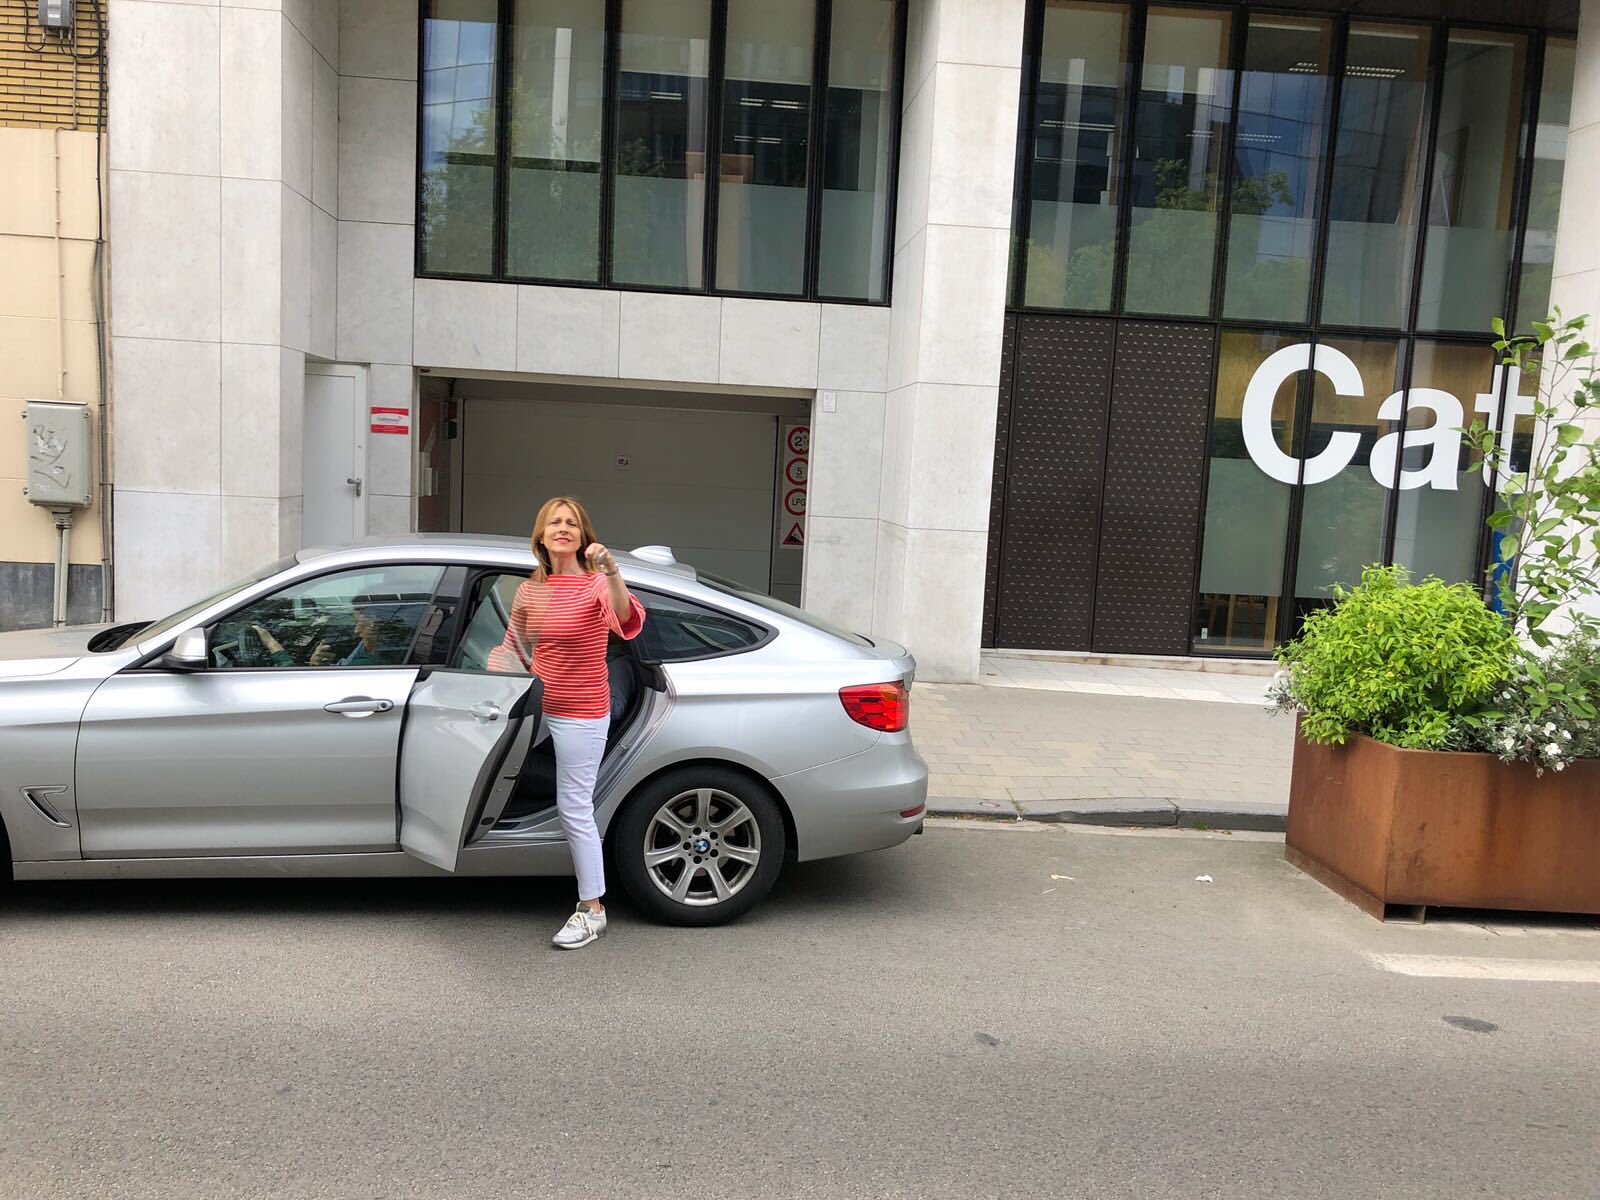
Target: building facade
{"points": [[52, 311], [1123, 328]]}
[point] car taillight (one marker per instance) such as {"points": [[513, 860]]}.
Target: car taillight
{"points": [[885, 707]]}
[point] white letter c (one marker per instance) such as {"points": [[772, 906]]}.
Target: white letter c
{"points": [[1256, 415]]}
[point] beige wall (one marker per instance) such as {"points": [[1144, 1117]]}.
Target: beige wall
{"points": [[48, 342]]}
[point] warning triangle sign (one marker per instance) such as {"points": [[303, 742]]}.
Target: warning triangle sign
{"points": [[795, 537]]}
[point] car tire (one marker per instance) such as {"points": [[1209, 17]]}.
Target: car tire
{"points": [[713, 823]]}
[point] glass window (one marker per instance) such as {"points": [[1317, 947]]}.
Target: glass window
{"points": [[1247, 511], [1470, 209], [774, 605], [1077, 155], [1279, 144], [761, 168], [368, 617], [486, 628], [169, 623], [1180, 136], [857, 141], [459, 55], [557, 101], [1544, 191], [678, 630], [658, 235], [1439, 526], [1344, 519], [1377, 175]]}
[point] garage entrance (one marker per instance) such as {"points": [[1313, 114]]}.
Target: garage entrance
{"points": [[697, 472]]}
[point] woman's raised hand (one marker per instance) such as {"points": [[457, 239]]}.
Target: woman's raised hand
{"points": [[600, 558]]}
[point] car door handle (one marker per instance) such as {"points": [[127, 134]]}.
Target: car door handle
{"points": [[485, 711], [358, 706]]}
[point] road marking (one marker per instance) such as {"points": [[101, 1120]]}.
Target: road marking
{"points": [[1518, 970]]}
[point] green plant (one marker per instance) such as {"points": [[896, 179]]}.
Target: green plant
{"points": [[1548, 518], [1403, 663], [1547, 712]]}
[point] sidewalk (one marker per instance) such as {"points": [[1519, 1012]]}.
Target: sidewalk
{"points": [[1105, 745]]}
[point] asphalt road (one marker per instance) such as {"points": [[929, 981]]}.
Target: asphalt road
{"points": [[948, 1019]]}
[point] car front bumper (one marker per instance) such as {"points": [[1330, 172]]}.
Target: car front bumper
{"points": [[867, 801]]}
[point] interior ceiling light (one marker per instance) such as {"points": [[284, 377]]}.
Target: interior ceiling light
{"points": [[1362, 72]]}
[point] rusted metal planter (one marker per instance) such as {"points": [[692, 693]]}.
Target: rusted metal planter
{"points": [[1397, 832]]}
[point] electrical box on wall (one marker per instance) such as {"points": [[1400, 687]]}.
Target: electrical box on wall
{"points": [[55, 14], [57, 441]]}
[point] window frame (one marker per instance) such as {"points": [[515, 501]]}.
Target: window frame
{"points": [[412, 659], [768, 633], [1439, 30], [1313, 329], [716, 79]]}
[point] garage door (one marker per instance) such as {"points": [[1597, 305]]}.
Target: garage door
{"points": [[700, 482]]}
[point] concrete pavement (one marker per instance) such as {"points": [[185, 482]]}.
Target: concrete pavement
{"points": [[986, 1011], [1105, 745]]}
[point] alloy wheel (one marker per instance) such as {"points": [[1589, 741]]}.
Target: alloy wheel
{"points": [[702, 847]]}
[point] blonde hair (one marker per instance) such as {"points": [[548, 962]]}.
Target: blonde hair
{"points": [[585, 535]]}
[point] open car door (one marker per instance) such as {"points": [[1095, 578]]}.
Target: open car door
{"points": [[460, 726]]}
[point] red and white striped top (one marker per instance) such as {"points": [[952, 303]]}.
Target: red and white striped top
{"points": [[565, 620]]}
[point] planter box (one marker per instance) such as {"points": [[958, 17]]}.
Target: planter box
{"points": [[1399, 831]]}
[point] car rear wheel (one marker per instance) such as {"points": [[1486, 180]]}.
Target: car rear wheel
{"points": [[700, 846]]}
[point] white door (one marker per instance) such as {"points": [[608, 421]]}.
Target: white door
{"points": [[333, 460]]}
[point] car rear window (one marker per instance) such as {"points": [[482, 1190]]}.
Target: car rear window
{"points": [[762, 600]]}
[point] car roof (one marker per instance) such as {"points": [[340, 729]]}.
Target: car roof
{"points": [[489, 549]]}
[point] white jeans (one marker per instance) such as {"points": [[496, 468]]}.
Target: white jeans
{"points": [[580, 744]]}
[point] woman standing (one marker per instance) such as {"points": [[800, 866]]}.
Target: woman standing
{"points": [[565, 612]]}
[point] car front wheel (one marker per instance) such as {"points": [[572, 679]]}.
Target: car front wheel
{"points": [[700, 846]]}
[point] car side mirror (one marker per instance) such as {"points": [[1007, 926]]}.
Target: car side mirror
{"points": [[188, 653]]}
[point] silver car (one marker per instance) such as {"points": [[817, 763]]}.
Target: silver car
{"points": [[336, 714]]}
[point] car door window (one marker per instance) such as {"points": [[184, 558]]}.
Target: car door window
{"points": [[678, 630], [485, 631], [365, 617]]}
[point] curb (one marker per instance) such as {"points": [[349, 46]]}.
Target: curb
{"points": [[1139, 813]]}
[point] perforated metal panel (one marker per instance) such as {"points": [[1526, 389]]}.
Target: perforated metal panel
{"points": [[1160, 403], [1053, 479], [997, 493]]}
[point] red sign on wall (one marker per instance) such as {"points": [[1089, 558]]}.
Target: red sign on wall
{"points": [[391, 420]]}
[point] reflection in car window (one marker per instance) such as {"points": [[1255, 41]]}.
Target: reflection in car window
{"points": [[771, 604], [178, 618], [366, 617], [486, 628], [679, 630]]}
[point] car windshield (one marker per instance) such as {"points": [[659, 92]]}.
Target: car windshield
{"points": [[762, 600], [178, 618]]}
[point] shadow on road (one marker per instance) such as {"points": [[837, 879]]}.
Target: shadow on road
{"points": [[805, 891]]}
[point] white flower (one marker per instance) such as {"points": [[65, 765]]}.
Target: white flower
{"points": [[1566, 735], [1509, 743], [1561, 766], [1549, 727], [1553, 750]]}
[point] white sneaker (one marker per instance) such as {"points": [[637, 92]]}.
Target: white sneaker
{"points": [[582, 927]]}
